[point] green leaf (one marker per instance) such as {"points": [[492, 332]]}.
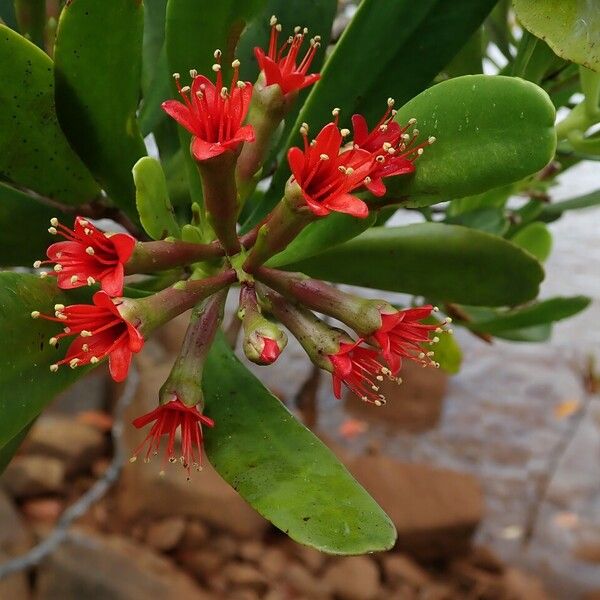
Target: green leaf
{"points": [[98, 65], [152, 199], [490, 131], [536, 239], [494, 198], [551, 212], [154, 38], [570, 27], [7, 13], [31, 18], [281, 469], [491, 220], [390, 49], [447, 262], [539, 313], [321, 235], [22, 244], [156, 79], [535, 334], [26, 383], [469, 60], [10, 448], [34, 152], [194, 29]]}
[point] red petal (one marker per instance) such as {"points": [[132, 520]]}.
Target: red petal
{"points": [[180, 113], [296, 160], [349, 204], [376, 187], [64, 247], [317, 209], [102, 300], [136, 339], [272, 72], [360, 129], [119, 361], [309, 80], [328, 140], [291, 82], [124, 245], [112, 282], [203, 150]]}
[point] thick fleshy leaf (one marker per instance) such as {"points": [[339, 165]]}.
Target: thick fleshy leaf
{"points": [[26, 383], [321, 235], [24, 222], [494, 198], [156, 79], [281, 469], [194, 29], [420, 39], [34, 152], [536, 239], [491, 220], [446, 262], [152, 199], [98, 57], [539, 313], [570, 27], [490, 131]]}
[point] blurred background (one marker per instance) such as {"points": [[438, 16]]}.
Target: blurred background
{"points": [[492, 475]]}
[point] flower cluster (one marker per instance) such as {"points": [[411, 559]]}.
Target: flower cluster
{"points": [[231, 131]]}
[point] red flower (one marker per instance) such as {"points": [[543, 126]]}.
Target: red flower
{"points": [[327, 177], [212, 113], [89, 255], [401, 335], [393, 148], [358, 368], [280, 68], [101, 331], [167, 419]]}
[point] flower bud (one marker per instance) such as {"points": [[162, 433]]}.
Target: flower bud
{"points": [[263, 340]]}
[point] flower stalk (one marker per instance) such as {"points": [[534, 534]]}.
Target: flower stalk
{"points": [[153, 311], [221, 198], [184, 381], [161, 255], [284, 223], [362, 314]]}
